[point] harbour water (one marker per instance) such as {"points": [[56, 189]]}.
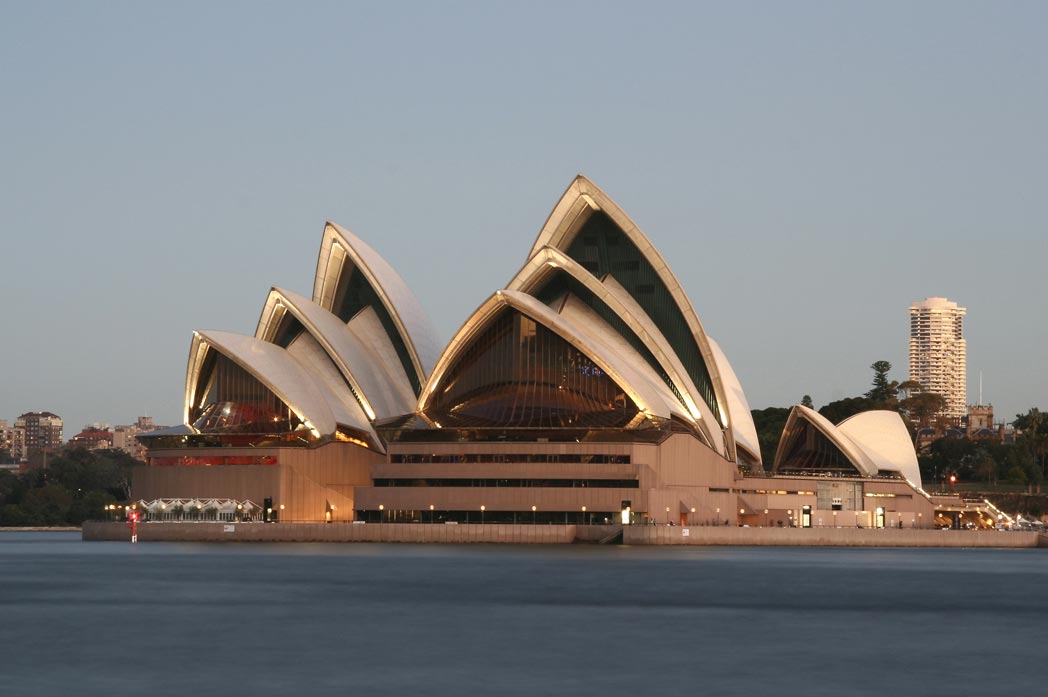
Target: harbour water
{"points": [[326, 619]]}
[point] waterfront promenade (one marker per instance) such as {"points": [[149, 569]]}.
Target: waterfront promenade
{"points": [[561, 534]]}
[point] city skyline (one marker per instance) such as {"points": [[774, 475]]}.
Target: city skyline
{"points": [[808, 162]]}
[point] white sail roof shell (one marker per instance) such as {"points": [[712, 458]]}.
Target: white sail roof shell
{"points": [[883, 436], [306, 392], [745, 431], [612, 294], [856, 455], [411, 320], [578, 202], [361, 350], [581, 333]]}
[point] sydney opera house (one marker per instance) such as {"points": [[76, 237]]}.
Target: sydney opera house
{"points": [[585, 391]]}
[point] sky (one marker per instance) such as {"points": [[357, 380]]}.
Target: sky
{"points": [[808, 169]]}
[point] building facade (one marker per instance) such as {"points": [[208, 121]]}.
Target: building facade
{"points": [[586, 391], [12, 439], [938, 352], [43, 431], [126, 437]]}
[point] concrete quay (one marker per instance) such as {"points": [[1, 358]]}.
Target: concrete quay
{"points": [[559, 534]]}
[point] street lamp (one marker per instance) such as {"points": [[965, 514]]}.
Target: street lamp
{"points": [[381, 515], [281, 512], [431, 513], [765, 517], [667, 515], [584, 520], [533, 515], [718, 516], [482, 515]]}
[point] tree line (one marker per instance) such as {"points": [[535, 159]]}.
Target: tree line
{"points": [[75, 486]]}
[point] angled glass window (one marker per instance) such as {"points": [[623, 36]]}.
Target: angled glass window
{"points": [[603, 248], [516, 373], [806, 449], [289, 330], [559, 283], [232, 401]]}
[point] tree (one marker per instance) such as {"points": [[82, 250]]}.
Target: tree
{"points": [[841, 409], [806, 401], [922, 407], [882, 391]]}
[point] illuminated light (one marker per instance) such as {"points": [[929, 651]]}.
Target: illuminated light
{"points": [[533, 509], [431, 506], [693, 509], [583, 509], [482, 508], [381, 507]]}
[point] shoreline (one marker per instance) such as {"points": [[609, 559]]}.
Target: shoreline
{"points": [[635, 535]]}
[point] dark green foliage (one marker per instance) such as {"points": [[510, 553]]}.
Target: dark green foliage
{"points": [[769, 423], [806, 402], [840, 410], [74, 487]]}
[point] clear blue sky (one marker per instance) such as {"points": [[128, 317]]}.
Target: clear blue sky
{"points": [[808, 169]]}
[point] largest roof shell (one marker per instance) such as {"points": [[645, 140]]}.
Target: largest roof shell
{"points": [[581, 199]]}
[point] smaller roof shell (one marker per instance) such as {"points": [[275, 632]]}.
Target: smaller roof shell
{"points": [[282, 374], [858, 457], [403, 307], [884, 438], [368, 366]]}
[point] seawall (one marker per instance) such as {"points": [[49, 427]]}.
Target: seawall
{"points": [[824, 537], [558, 534]]}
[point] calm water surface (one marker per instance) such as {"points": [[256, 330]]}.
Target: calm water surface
{"points": [[190, 620]]}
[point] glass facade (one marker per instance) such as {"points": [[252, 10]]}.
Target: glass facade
{"points": [[602, 248], [352, 295], [518, 374], [230, 401], [505, 517], [511, 483], [807, 450], [574, 458], [560, 282]]}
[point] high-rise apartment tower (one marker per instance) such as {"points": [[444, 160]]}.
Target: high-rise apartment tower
{"points": [[938, 353]]}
